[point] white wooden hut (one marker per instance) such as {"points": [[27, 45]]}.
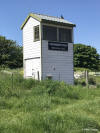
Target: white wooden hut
{"points": [[48, 48]]}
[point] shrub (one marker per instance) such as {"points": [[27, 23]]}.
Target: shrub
{"points": [[80, 82], [92, 81], [83, 83], [76, 82]]}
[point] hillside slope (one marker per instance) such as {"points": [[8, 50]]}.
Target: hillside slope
{"points": [[28, 106]]}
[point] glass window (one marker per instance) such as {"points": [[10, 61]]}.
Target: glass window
{"points": [[65, 35], [49, 33], [36, 33]]}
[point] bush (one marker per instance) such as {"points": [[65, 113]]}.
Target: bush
{"points": [[83, 83], [92, 81], [76, 82], [80, 82]]}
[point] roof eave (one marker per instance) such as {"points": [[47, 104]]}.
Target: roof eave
{"points": [[46, 21], [58, 23], [30, 15]]}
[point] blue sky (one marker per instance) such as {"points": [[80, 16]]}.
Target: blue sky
{"points": [[84, 13]]}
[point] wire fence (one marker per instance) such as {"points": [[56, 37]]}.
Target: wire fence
{"points": [[87, 78], [14, 78], [11, 79]]}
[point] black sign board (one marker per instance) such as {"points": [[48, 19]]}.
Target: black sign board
{"points": [[58, 46]]}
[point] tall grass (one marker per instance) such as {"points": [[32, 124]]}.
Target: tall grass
{"points": [[47, 106]]}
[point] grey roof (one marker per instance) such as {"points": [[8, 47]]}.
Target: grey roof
{"points": [[48, 19], [52, 18]]}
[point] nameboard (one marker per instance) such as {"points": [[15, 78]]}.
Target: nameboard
{"points": [[58, 46]]}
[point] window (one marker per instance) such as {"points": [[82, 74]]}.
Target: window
{"points": [[65, 35], [49, 33], [36, 33]]}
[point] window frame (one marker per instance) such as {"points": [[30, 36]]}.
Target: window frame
{"points": [[47, 26], [34, 29], [70, 36], [58, 34]]}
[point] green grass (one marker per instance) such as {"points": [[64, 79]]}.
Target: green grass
{"points": [[29, 106], [80, 69]]}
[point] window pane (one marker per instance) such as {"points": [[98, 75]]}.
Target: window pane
{"points": [[49, 33], [65, 35], [36, 33]]}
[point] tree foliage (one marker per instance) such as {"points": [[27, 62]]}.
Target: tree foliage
{"points": [[86, 57], [10, 53]]}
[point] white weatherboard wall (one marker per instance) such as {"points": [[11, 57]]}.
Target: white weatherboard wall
{"points": [[31, 50], [32, 67], [58, 64]]}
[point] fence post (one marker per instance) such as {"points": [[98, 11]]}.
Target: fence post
{"points": [[86, 77], [12, 80], [38, 75]]}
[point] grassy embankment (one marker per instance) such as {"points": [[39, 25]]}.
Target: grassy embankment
{"points": [[30, 106]]}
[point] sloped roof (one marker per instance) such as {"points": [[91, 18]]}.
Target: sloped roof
{"points": [[48, 19]]}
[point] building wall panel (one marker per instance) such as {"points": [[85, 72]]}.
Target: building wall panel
{"points": [[58, 64]]}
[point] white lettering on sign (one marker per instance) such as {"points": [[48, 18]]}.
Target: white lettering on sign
{"points": [[58, 46]]}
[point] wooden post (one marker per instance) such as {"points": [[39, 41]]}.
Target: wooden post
{"points": [[38, 75], [12, 80], [86, 77]]}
